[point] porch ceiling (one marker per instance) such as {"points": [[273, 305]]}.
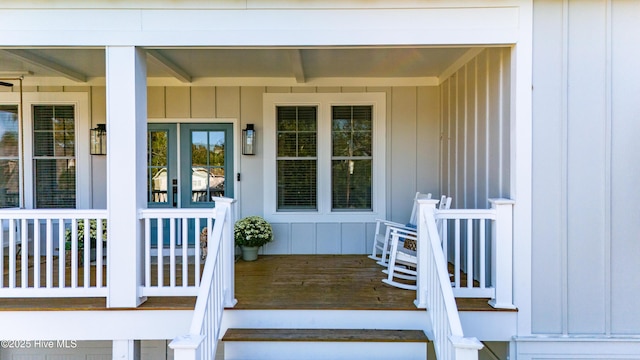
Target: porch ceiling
{"points": [[188, 64]]}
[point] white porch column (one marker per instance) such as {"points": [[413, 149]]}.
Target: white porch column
{"points": [[125, 349], [502, 254], [126, 171], [424, 206]]}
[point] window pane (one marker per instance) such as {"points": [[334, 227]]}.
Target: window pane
{"points": [[361, 144], [307, 144], [199, 148], [9, 130], [287, 116], [55, 183], [297, 184], [307, 118], [9, 188], [351, 169], [287, 144], [157, 166], [216, 148], [351, 184]]}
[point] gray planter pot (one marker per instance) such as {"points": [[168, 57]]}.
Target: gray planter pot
{"points": [[249, 253]]}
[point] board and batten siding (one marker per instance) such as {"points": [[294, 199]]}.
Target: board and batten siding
{"points": [[475, 130], [586, 166]]}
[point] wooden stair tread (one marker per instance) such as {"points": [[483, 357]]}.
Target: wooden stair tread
{"points": [[325, 335]]}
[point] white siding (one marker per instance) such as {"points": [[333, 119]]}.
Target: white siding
{"points": [[586, 165], [475, 131]]}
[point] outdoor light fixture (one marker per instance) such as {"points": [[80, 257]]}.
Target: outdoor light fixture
{"points": [[248, 140], [99, 140]]}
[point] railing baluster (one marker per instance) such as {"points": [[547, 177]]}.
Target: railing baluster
{"points": [[197, 255], [74, 253], [12, 253], [482, 248], [87, 253], [185, 246], [160, 243], [172, 252], [99, 246], [49, 261], [469, 253], [36, 253], [147, 252], [62, 256], [24, 254], [456, 256]]}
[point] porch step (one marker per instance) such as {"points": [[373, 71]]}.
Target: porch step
{"points": [[312, 344]]}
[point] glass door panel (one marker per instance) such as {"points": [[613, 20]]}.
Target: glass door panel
{"points": [[207, 151]]}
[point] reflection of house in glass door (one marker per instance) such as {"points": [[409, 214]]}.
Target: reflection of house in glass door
{"points": [[205, 153]]}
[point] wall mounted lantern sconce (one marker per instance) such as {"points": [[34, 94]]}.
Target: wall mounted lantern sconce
{"points": [[99, 140], [249, 140]]}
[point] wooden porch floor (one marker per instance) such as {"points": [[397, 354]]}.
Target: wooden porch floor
{"points": [[331, 282]]}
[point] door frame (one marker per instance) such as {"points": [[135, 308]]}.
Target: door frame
{"points": [[237, 138]]}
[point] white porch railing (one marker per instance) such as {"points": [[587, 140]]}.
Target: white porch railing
{"points": [[479, 242], [435, 292], [174, 250], [42, 254], [214, 293]]}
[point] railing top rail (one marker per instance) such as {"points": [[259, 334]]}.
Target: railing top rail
{"points": [[171, 213], [52, 213], [466, 214]]}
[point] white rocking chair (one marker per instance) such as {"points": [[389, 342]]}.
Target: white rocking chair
{"points": [[381, 239], [403, 258]]}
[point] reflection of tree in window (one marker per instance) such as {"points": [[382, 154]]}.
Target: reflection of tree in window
{"points": [[351, 164], [207, 165]]}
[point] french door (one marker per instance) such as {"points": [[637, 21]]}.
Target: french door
{"points": [[188, 165]]}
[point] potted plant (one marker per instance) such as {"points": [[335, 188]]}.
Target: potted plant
{"points": [[93, 236], [250, 233]]}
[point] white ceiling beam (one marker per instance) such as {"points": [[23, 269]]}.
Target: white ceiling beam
{"points": [[460, 62], [39, 61], [169, 66], [297, 67]]}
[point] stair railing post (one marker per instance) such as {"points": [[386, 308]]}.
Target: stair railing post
{"points": [[465, 348], [187, 347], [425, 206], [502, 254], [227, 207]]}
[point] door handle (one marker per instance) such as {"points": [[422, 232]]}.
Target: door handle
{"points": [[174, 183]]}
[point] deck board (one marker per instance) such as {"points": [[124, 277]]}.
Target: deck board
{"points": [[314, 282]]}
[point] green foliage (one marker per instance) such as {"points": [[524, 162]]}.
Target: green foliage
{"points": [[252, 231], [93, 231]]}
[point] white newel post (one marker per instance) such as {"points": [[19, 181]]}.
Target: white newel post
{"points": [[187, 347], [502, 253], [126, 80], [425, 206], [228, 250]]}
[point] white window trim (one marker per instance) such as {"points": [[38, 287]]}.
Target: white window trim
{"points": [[80, 101], [324, 102]]}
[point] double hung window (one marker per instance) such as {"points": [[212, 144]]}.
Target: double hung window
{"points": [[54, 158], [324, 156]]}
